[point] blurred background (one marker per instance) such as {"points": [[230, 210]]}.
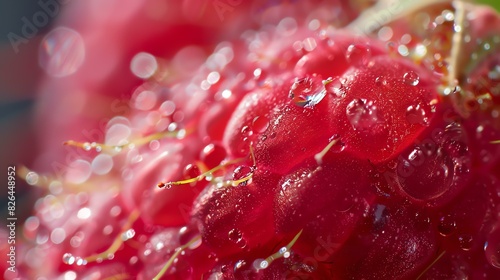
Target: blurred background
{"points": [[19, 77]]}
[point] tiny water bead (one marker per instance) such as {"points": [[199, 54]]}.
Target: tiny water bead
{"points": [[416, 114], [130, 233], [446, 225], [235, 235], [69, 259], [363, 114], [411, 78], [465, 241], [380, 81], [260, 264]]}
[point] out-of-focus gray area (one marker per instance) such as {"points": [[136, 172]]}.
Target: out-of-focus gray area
{"points": [[19, 76]]}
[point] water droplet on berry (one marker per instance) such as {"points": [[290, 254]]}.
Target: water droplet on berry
{"points": [[465, 241], [380, 81], [446, 225], [411, 78], [339, 145], [86, 146], [260, 264], [260, 124], [84, 213], [415, 114], [235, 235], [68, 259], [307, 92], [362, 114], [167, 108], [492, 247], [241, 172], [191, 171], [213, 154], [335, 87], [186, 234], [239, 264], [287, 26], [357, 54], [128, 234]]}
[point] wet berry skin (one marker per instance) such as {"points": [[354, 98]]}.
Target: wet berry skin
{"points": [[285, 147]]}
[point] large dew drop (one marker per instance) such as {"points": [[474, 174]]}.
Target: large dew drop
{"points": [[358, 54], [492, 248], [308, 92]]}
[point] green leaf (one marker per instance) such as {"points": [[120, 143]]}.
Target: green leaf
{"points": [[493, 3]]}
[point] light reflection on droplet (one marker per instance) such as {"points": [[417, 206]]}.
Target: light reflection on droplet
{"points": [[226, 94], [385, 33], [102, 164], [115, 211], [78, 171], [287, 26], [310, 44], [107, 230], [76, 240], [154, 145], [143, 65], [167, 108], [314, 24], [32, 178], [403, 50], [118, 134], [213, 77], [62, 52], [84, 213], [70, 275], [58, 235], [145, 100]]}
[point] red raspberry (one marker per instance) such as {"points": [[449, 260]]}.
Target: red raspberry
{"points": [[293, 150]]}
